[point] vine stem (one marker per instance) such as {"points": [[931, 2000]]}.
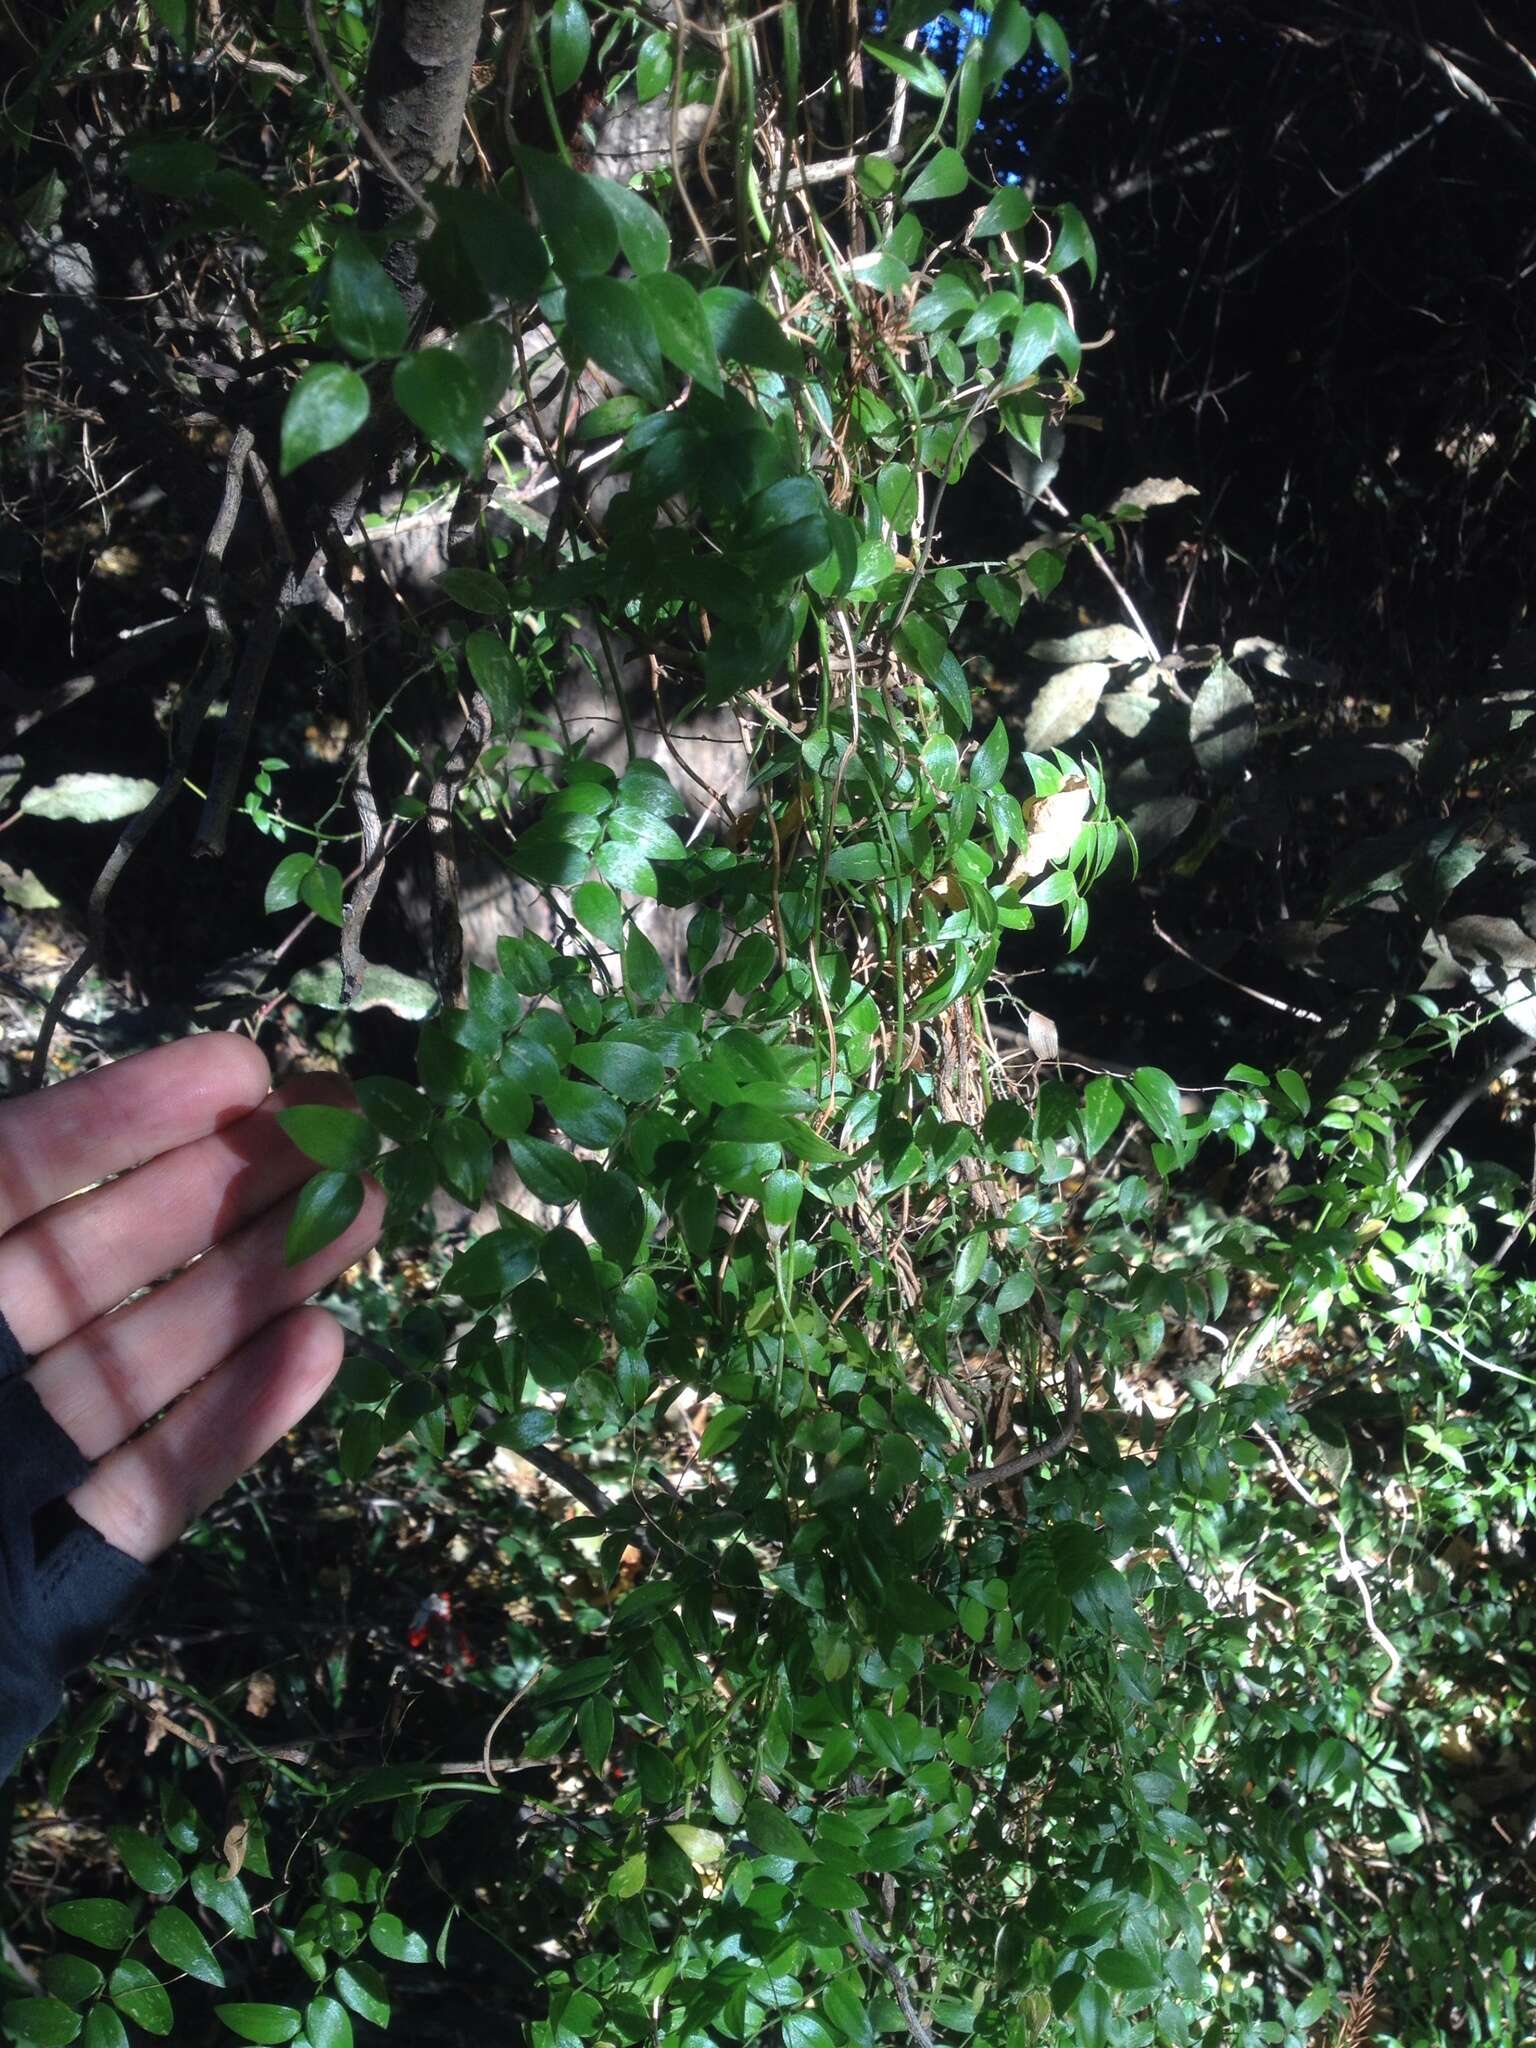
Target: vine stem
{"points": [[898, 1983], [829, 819], [1347, 1564]]}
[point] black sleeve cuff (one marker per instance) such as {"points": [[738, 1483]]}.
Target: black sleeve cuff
{"points": [[59, 1592]]}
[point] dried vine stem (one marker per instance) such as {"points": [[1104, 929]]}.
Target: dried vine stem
{"points": [[898, 1983], [1348, 1567], [1452, 1115], [1013, 1468], [255, 663], [447, 922], [359, 718]]}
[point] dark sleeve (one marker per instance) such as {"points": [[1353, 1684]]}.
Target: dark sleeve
{"points": [[62, 1584]]}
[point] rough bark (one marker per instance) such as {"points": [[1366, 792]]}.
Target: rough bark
{"points": [[417, 85]]}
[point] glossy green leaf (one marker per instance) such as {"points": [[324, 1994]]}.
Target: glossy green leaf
{"points": [[150, 1866], [990, 759], [39, 2022], [262, 2024], [629, 1071], [394, 1108], [362, 1438], [896, 494], [361, 1987], [915, 66], [1034, 342], [681, 326], [224, 1896], [806, 2030], [588, 1116], [598, 910], [746, 332], [488, 1270], [627, 868], [177, 1939], [578, 224], [1103, 1107], [1008, 210], [1009, 34], [326, 407], [103, 2029], [525, 1430], [548, 1171], [436, 391], [327, 2024], [463, 1154], [368, 316], [1156, 1095], [392, 1938], [613, 1210], [1074, 243], [327, 1204], [643, 238], [1122, 1971], [104, 1923], [608, 322], [941, 761], [331, 1137], [497, 676], [653, 66], [320, 890], [968, 93], [71, 1978], [503, 252], [570, 43], [1052, 38], [282, 891], [139, 1996], [941, 177], [505, 1106], [773, 1833]]}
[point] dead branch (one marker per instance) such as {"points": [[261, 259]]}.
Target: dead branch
{"points": [[894, 1977], [1013, 1468], [1452, 1115]]}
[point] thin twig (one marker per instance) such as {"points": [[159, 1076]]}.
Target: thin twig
{"points": [[235, 732], [896, 1980], [1508, 1243], [1452, 1115], [1054, 1445], [1300, 226], [256, 657], [1469, 89], [799, 176], [355, 912], [1347, 1564], [674, 145], [1049, 497], [1216, 974]]}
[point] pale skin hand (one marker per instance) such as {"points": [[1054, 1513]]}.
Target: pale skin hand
{"points": [[205, 1174]]}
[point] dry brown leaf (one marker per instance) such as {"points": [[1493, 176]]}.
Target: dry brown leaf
{"points": [[1154, 491], [1043, 1040], [260, 1694], [1053, 822]]}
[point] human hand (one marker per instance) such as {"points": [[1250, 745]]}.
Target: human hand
{"points": [[206, 1174]]}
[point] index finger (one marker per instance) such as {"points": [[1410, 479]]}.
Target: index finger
{"points": [[78, 1132]]}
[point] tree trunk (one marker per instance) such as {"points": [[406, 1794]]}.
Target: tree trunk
{"points": [[417, 85]]}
